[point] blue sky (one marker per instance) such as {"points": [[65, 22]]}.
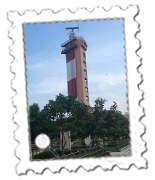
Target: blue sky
{"points": [[46, 66]]}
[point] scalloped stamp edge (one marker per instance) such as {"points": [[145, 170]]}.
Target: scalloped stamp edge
{"points": [[16, 14]]}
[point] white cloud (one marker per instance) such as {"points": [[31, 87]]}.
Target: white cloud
{"points": [[104, 80], [112, 87], [106, 53], [121, 100], [45, 63], [52, 85]]}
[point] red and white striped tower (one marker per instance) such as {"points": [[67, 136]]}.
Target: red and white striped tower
{"points": [[71, 73], [77, 80]]}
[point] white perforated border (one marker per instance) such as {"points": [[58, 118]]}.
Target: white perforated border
{"points": [[20, 98]]}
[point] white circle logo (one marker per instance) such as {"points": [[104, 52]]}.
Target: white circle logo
{"points": [[42, 141]]}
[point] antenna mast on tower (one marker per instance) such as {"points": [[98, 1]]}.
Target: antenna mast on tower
{"points": [[78, 28], [72, 33], [72, 28]]}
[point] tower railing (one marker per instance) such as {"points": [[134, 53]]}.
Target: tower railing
{"points": [[64, 50], [77, 37]]}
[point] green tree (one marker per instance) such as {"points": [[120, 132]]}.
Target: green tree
{"points": [[110, 123], [99, 119], [114, 106], [82, 120], [40, 123], [60, 112], [65, 113], [48, 126], [114, 127], [99, 103], [34, 111], [117, 123], [124, 123]]}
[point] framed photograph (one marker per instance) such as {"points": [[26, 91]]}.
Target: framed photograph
{"points": [[76, 89]]}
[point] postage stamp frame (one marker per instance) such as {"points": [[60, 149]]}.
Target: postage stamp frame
{"points": [[133, 78]]}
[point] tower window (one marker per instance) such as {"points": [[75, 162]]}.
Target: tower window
{"points": [[86, 89], [87, 98], [84, 62], [84, 55], [85, 72], [86, 80]]}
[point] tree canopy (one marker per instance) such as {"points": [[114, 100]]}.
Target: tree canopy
{"points": [[65, 113]]}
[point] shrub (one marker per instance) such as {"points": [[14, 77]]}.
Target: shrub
{"points": [[112, 144], [44, 155], [76, 147], [74, 150], [124, 143], [59, 152], [119, 144], [67, 152], [77, 142]]}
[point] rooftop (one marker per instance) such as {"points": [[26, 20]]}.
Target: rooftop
{"points": [[75, 37]]}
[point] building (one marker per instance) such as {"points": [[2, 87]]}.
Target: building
{"points": [[77, 78], [126, 114]]}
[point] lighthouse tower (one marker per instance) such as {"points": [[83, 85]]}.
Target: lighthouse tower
{"points": [[77, 78]]}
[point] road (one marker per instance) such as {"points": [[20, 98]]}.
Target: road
{"points": [[125, 152]]}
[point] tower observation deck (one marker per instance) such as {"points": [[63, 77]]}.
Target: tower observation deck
{"points": [[77, 78]]}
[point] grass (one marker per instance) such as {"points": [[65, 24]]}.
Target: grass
{"points": [[124, 143], [84, 152], [44, 155], [80, 152]]}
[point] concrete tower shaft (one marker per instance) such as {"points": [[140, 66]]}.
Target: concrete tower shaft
{"points": [[77, 78]]}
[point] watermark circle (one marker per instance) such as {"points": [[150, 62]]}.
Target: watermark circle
{"points": [[42, 141]]}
